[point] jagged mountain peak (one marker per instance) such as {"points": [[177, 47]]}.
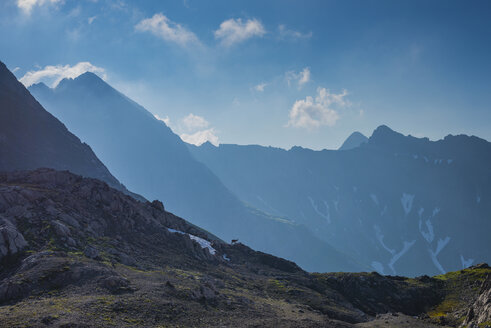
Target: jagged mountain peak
{"points": [[48, 142], [355, 140], [87, 80]]}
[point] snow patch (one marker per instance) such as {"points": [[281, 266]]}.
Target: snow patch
{"points": [[374, 198], [377, 266], [336, 203], [326, 216], [224, 256], [420, 212], [176, 231], [439, 247], [478, 199], [274, 210], [430, 235], [466, 263], [380, 238], [426, 159], [383, 211], [436, 210], [406, 246], [202, 242], [407, 202], [449, 161]]}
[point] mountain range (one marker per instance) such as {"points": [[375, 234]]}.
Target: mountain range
{"points": [[151, 160], [391, 203], [400, 204], [80, 250], [75, 252], [30, 137]]}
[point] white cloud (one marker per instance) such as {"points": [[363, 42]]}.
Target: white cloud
{"points": [[90, 20], [260, 87], [16, 69], [301, 78], [166, 119], [200, 137], [304, 76], [162, 27], [193, 129], [234, 31], [286, 33], [27, 5], [192, 122], [59, 72], [312, 113]]}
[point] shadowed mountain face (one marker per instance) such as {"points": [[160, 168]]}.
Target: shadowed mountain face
{"points": [[399, 204], [30, 137], [356, 139], [76, 253], [151, 160]]}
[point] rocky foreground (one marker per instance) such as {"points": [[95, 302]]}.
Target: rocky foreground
{"points": [[76, 253]]}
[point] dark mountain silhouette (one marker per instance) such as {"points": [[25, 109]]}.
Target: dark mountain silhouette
{"points": [[150, 159], [400, 204], [30, 137], [356, 139]]}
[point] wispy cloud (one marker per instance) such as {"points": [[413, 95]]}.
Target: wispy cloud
{"points": [[301, 78], [57, 73], [233, 31], [193, 129], [166, 119], [162, 27], [200, 137], [260, 87], [322, 110], [285, 33], [192, 122], [90, 20], [27, 5]]}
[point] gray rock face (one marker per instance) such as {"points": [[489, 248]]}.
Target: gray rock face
{"points": [[480, 312], [11, 240], [91, 252], [76, 211]]}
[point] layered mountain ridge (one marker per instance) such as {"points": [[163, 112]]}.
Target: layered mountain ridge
{"points": [[30, 137], [401, 204], [153, 161]]}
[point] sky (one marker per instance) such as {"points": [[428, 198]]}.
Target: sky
{"points": [[279, 73]]}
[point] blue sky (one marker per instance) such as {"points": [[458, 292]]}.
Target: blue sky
{"points": [[278, 73]]}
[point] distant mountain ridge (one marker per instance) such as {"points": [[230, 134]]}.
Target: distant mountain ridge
{"points": [[30, 137], [150, 159], [356, 139], [400, 204]]}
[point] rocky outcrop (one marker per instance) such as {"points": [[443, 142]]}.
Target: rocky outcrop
{"points": [[11, 240], [76, 248], [62, 210], [479, 314]]}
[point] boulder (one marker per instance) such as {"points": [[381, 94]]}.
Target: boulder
{"points": [[91, 252], [11, 240]]}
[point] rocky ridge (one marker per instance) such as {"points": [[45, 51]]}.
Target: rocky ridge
{"points": [[78, 253]]}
